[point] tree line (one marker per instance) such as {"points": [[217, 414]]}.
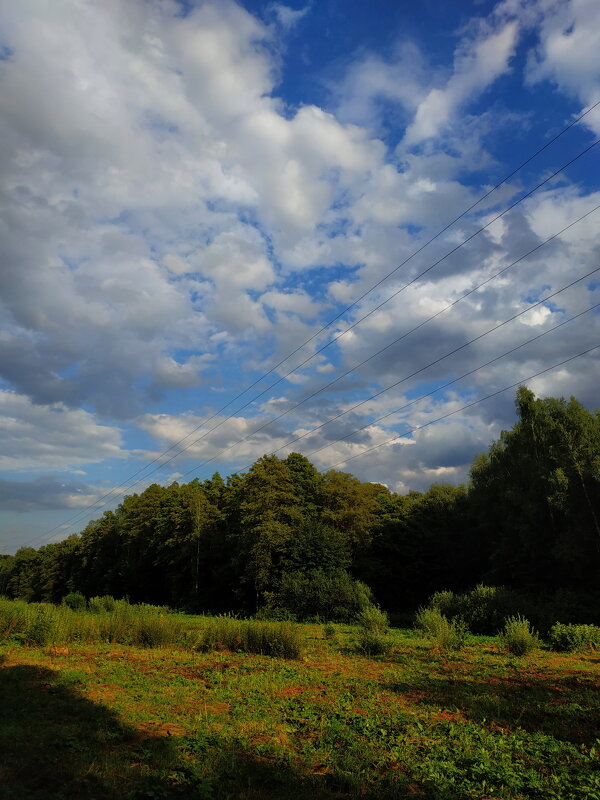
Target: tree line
{"points": [[286, 538]]}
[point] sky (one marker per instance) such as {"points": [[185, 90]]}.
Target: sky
{"points": [[201, 206]]}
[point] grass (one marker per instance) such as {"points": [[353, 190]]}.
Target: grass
{"points": [[280, 639], [108, 721]]}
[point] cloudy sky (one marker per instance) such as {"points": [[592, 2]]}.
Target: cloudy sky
{"points": [[202, 201]]}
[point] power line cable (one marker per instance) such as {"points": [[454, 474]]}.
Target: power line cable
{"points": [[81, 514], [433, 391], [431, 364], [423, 323], [116, 490], [463, 408], [368, 314]]}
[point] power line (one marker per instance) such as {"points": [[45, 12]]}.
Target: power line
{"points": [[463, 408], [437, 389], [81, 514], [368, 314], [356, 366], [431, 364], [396, 383], [422, 324], [116, 490]]}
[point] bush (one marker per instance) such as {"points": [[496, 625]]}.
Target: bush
{"points": [[373, 643], [96, 605], [329, 596], [42, 623], [13, 616], [75, 601], [372, 618], [444, 634], [329, 631], [483, 609], [275, 614], [280, 639], [571, 638], [373, 634], [518, 636]]}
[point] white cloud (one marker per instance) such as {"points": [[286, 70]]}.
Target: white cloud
{"points": [[288, 17], [47, 492], [567, 53], [34, 436], [477, 64], [163, 212]]}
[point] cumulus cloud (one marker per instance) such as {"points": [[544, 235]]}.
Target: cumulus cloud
{"points": [[288, 17], [52, 436], [169, 222], [46, 492], [567, 52], [477, 64]]}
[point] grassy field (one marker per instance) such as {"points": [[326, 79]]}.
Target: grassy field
{"points": [[98, 721]]}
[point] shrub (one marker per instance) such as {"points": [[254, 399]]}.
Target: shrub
{"points": [[373, 643], [97, 605], [75, 601], [280, 639], [329, 631], [571, 638], [373, 634], [518, 636], [372, 618], [42, 624], [39, 625], [277, 614], [484, 609], [13, 616], [328, 595], [444, 634]]}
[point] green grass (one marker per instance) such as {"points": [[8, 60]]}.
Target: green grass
{"points": [[108, 721], [280, 639]]}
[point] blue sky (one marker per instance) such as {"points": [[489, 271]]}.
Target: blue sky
{"points": [[192, 190]]}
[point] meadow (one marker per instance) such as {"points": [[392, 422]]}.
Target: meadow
{"points": [[202, 718]]}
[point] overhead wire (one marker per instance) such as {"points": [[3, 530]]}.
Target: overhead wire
{"points": [[116, 490], [404, 335], [440, 388], [81, 514], [469, 292], [433, 363], [465, 407]]}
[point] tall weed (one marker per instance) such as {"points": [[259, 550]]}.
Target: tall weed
{"points": [[279, 639], [43, 624], [444, 634], [373, 631], [518, 636], [573, 638]]}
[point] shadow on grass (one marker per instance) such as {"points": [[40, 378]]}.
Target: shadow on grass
{"points": [[567, 708], [56, 744]]}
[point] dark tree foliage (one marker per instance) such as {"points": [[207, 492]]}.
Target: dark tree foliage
{"points": [[536, 496], [421, 543], [284, 534]]}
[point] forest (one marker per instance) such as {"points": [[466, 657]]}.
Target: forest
{"points": [[285, 540]]}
